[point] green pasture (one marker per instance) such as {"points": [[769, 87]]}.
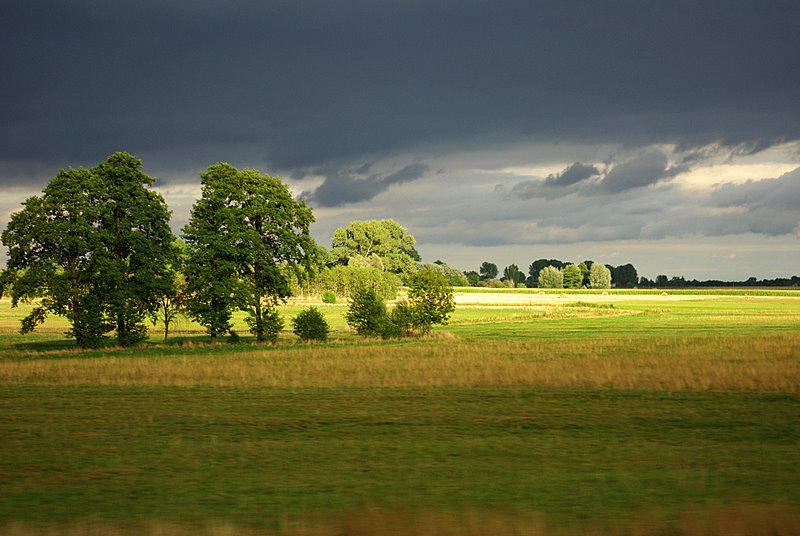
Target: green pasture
{"points": [[254, 457], [696, 314], [269, 459]]}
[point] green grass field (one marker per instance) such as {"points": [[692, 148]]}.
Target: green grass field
{"points": [[640, 416]]}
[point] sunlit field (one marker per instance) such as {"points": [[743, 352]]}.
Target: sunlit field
{"points": [[544, 414]]}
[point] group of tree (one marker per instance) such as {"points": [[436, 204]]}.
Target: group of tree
{"points": [[662, 281], [553, 273], [430, 301], [96, 247]]}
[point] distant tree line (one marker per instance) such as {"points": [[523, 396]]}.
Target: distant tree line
{"points": [[554, 273], [662, 281]]}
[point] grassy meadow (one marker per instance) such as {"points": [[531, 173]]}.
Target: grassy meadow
{"points": [[589, 414]]}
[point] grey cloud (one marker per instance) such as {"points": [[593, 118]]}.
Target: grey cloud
{"points": [[575, 173], [644, 170], [340, 188], [767, 206], [554, 186], [782, 193]]}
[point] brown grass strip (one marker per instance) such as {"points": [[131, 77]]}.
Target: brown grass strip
{"points": [[698, 363]]}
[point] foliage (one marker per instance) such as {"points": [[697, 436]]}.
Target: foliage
{"points": [[551, 277], [585, 268], [369, 261], [513, 274], [267, 325], [341, 280], [536, 266], [599, 276], [93, 247], [473, 278], [402, 317], [242, 233], [328, 297], [172, 299], [624, 276], [367, 312], [488, 270], [431, 299], [573, 278], [454, 277], [310, 325], [385, 239]]}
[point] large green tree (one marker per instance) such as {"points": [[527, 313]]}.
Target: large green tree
{"points": [[242, 232], [386, 239], [93, 247]]}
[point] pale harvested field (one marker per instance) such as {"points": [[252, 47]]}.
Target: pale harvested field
{"points": [[485, 299]]}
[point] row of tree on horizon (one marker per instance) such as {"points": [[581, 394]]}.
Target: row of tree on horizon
{"points": [[622, 276]]}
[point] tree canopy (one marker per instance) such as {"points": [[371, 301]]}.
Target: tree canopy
{"points": [[93, 247], [385, 239], [488, 270], [573, 277], [599, 276], [431, 298], [551, 277], [243, 229]]}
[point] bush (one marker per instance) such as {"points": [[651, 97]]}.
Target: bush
{"points": [[366, 312], [269, 326], [329, 297], [402, 317], [310, 325]]}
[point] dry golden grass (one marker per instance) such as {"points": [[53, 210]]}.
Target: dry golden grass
{"points": [[734, 520], [698, 363]]}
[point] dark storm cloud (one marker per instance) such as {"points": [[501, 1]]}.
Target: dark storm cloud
{"points": [[314, 82], [340, 187]]}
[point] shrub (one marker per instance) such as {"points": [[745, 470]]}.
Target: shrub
{"points": [[329, 297], [310, 325], [270, 324], [366, 312], [402, 317]]}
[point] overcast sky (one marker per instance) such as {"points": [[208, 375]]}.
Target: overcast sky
{"points": [[664, 134]]}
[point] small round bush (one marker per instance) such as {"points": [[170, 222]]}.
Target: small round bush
{"points": [[310, 325], [328, 297]]}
